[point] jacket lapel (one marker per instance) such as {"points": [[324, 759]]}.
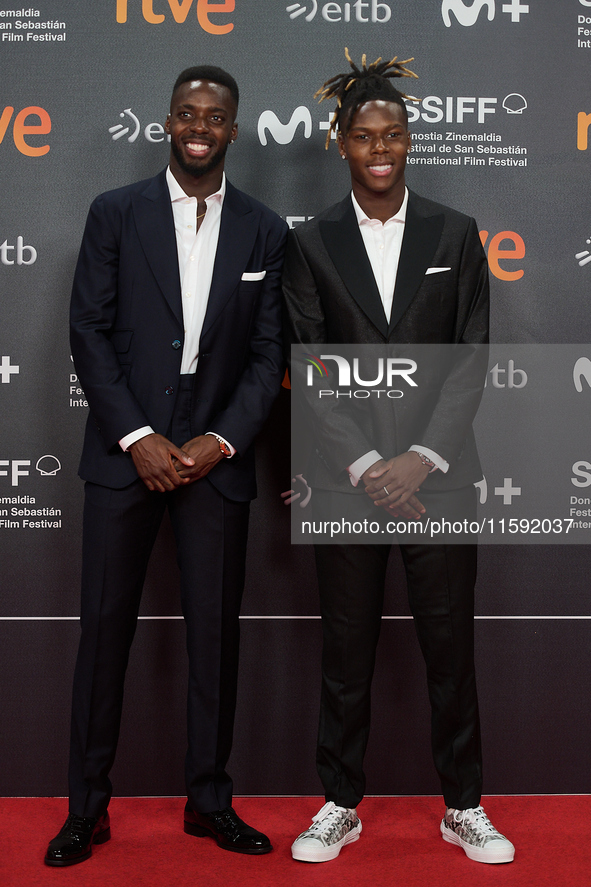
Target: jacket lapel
{"points": [[235, 243], [155, 226], [421, 238], [344, 244]]}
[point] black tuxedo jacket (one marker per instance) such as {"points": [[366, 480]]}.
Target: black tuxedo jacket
{"points": [[127, 330], [441, 297]]}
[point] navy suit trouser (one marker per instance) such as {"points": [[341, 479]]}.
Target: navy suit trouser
{"points": [[120, 527]]}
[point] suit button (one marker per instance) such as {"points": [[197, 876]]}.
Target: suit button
{"points": [[169, 390], [176, 344]]}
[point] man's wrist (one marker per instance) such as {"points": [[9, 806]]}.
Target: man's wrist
{"points": [[226, 449], [134, 436]]}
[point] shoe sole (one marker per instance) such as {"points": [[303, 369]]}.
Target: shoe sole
{"points": [[101, 838], [477, 854], [327, 853], [199, 832]]}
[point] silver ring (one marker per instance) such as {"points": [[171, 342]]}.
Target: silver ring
{"points": [[385, 489]]}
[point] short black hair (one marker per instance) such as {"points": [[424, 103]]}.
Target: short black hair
{"points": [[211, 73], [366, 84]]}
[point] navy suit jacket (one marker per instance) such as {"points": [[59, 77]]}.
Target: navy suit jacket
{"points": [[332, 298], [127, 330]]}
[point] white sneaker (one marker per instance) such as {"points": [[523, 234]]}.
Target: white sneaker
{"points": [[473, 831], [333, 828]]}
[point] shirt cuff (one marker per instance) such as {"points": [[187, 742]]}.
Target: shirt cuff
{"points": [[360, 466], [227, 442], [435, 458], [131, 438]]}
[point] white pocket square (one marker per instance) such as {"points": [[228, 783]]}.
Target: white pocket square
{"points": [[436, 270], [253, 275]]}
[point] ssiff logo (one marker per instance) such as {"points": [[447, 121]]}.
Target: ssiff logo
{"points": [[364, 11], [180, 11], [467, 14], [47, 466]]}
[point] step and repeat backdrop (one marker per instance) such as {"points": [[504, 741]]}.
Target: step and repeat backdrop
{"points": [[501, 130]]}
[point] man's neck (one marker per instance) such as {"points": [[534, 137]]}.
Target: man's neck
{"points": [[199, 186], [376, 205]]}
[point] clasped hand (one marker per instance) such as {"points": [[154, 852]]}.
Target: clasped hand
{"points": [[393, 484], [163, 466]]}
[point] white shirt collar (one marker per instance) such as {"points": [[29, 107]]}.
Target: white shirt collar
{"points": [[363, 219], [177, 193]]}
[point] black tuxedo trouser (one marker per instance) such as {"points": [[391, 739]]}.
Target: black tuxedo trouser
{"points": [[120, 528], [440, 580]]}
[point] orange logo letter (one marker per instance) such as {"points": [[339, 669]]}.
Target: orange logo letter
{"points": [[5, 120], [21, 130], [583, 123], [494, 253], [205, 8], [180, 10]]}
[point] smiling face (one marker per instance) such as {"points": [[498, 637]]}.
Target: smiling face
{"points": [[375, 146], [201, 125]]}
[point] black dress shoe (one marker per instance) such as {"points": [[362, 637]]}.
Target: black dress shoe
{"points": [[74, 842], [228, 829]]}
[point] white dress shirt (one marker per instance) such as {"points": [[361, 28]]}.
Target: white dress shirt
{"points": [[383, 243], [196, 250]]}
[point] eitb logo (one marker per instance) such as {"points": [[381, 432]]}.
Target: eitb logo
{"points": [[365, 11]]}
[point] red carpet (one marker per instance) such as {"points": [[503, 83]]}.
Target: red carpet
{"points": [[400, 846]]}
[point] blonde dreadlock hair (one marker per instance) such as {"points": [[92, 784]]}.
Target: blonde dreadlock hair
{"points": [[368, 83]]}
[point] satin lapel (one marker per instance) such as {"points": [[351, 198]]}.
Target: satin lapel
{"points": [[346, 249], [238, 231], [154, 221], [421, 238]]}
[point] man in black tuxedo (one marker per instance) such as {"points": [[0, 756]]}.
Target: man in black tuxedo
{"points": [[176, 339], [386, 266]]}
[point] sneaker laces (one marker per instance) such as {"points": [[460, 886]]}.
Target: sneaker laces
{"points": [[329, 819], [477, 819]]}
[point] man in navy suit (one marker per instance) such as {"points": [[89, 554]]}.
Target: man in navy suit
{"points": [[176, 339]]}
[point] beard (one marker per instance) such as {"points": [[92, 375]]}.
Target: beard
{"points": [[196, 168]]}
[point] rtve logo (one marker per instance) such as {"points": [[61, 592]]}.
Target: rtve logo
{"points": [[365, 11], [495, 253], [180, 10], [20, 128], [583, 124], [468, 15]]}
